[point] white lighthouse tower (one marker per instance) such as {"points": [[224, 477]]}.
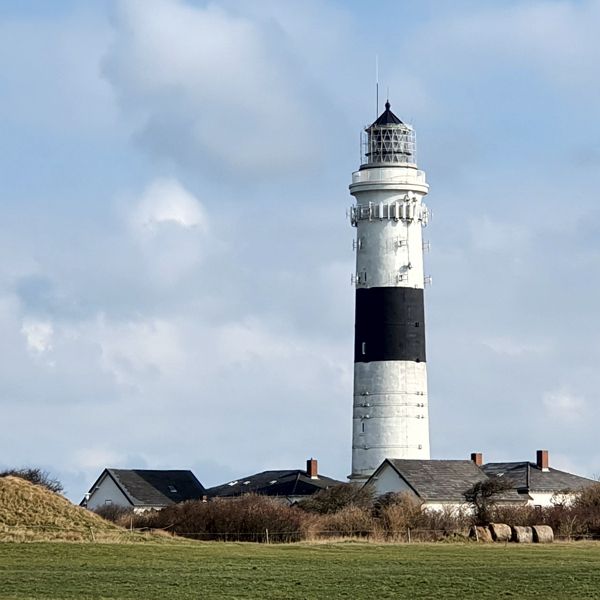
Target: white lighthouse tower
{"points": [[390, 414]]}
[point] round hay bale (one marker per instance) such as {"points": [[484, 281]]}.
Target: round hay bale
{"points": [[522, 535], [500, 532], [543, 534], [482, 534]]}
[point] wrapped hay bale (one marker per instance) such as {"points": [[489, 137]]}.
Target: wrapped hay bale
{"points": [[522, 535], [543, 534], [500, 532], [481, 534]]}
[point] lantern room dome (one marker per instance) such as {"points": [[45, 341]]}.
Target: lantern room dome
{"points": [[387, 117]]}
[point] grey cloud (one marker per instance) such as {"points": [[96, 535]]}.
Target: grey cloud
{"points": [[214, 90]]}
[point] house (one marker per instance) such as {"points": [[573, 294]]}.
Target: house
{"points": [[289, 485], [535, 481], [142, 489], [437, 484]]}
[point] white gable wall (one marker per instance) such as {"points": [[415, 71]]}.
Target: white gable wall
{"points": [[388, 480], [107, 492]]}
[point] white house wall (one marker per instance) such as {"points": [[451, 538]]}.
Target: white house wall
{"points": [[546, 499], [107, 492], [388, 480]]}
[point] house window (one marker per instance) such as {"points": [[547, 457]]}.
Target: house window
{"points": [[108, 501], [172, 489], [362, 427], [364, 348]]}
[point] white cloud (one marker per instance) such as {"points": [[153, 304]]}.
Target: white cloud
{"points": [[167, 201], [38, 335], [170, 227]]}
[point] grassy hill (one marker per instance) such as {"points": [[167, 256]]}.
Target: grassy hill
{"points": [[30, 513]]}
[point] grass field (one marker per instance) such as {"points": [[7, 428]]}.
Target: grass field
{"points": [[345, 570]]}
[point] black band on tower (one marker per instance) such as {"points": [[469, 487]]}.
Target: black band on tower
{"points": [[390, 324]]}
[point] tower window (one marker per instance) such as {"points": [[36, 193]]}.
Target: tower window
{"points": [[362, 427]]}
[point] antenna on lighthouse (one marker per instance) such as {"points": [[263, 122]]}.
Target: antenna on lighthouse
{"points": [[376, 86]]}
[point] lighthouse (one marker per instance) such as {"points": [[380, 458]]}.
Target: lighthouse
{"points": [[390, 412]]}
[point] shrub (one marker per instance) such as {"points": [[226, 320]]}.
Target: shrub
{"points": [[400, 512], [121, 515], [397, 513], [337, 497], [35, 476], [524, 516], [350, 521], [245, 518]]}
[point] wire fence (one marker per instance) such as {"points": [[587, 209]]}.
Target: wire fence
{"points": [[266, 536]]}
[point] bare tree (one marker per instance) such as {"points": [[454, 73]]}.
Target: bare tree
{"points": [[484, 495]]}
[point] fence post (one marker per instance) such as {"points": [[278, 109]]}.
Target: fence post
{"points": [[408, 532], [267, 535], [92, 534]]}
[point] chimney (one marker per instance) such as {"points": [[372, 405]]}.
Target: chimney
{"points": [[542, 460], [312, 469], [477, 458]]}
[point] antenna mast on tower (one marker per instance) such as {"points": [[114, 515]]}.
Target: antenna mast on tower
{"points": [[376, 86]]}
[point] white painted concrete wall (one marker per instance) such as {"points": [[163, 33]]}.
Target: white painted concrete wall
{"points": [[391, 413], [389, 252], [107, 492]]}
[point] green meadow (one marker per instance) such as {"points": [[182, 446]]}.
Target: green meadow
{"points": [[335, 570]]}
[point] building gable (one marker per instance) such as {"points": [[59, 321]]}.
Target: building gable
{"points": [[105, 492], [144, 488], [387, 479]]}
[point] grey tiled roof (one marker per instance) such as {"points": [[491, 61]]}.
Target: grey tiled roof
{"points": [[274, 483], [145, 487], [526, 476], [443, 480]]}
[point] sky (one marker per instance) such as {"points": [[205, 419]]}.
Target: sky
{"points": [[175, 254]]}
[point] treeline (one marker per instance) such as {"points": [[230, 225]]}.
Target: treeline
{"points": [[347, 511]]}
